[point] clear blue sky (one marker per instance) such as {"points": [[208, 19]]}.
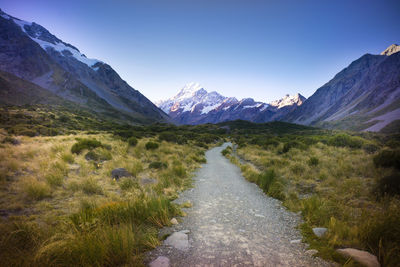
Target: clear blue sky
{"points": [[241, 48]]}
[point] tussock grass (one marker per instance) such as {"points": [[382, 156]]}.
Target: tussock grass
{"points": [[80, 216], [337, 182], [35, 189]]}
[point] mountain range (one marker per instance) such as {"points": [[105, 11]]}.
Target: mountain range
{"points": [[38, 67], [364, 96], [31, 53], [194, 105]]}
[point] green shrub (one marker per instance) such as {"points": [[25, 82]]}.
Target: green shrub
{"points": [[27, 132], [127, 183], [370, 148], [201, 144], [345, 140], [293, 144], [151, 145], [132, 141], [85, 144], [10, 140], [313, 161], [226, 151], [158, 165], [388, 185], [387, 159], [100, 155]]}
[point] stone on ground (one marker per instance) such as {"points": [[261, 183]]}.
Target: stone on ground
{"points": [[161, 261], [174, 221], [178, 240], [319, 231], [360, 256], [119, 173]]}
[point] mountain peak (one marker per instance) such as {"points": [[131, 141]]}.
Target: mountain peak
{"points": [[191, 87], [288, 100], [394, 48]]}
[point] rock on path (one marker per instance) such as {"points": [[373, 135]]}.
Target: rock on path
{"points": [[233, 223]]}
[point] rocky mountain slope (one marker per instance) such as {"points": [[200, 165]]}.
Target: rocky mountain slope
{"points": [[31, 52], [363, 96], [194, 105]]}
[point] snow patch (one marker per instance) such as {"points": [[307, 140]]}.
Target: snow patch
{"points": [[5, 16], [253, 106], [22, 24], [58, 47], [264, 107], [209, 108]]}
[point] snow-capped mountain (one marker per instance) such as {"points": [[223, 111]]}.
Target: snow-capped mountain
{"points": [[194, 105], [29, 51]]}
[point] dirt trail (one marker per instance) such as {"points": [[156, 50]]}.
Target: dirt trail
{"points": [[233, 223]]}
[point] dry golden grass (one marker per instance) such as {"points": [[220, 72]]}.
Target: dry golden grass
{"points": [[333, 187], [43, 183]]}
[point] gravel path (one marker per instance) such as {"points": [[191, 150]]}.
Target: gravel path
{"points": [[233, 223]]}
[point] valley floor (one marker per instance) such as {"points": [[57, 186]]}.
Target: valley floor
{"points": [[233, 223]]}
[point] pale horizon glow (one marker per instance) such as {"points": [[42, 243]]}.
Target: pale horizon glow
{"points": [[258, 49]]}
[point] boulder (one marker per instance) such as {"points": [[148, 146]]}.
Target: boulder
{"points": [[174, 221], [360, 256], [161, 261], [119, 173], [178, 240], [319, 231]]}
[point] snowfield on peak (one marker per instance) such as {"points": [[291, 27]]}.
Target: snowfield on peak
{"points": [[194, 105], [59, 46]]}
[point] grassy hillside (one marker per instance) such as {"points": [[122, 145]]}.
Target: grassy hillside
{"points": [[346, 182]]}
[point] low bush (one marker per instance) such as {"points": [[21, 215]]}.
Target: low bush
{"points": [[313, 161], [132, 141], [100, 155], [83, 144], [293, 144], [370, 148], [158, 165], [345, 140], [388, 185], [151, 145], [388, 158], [226, 151]]}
